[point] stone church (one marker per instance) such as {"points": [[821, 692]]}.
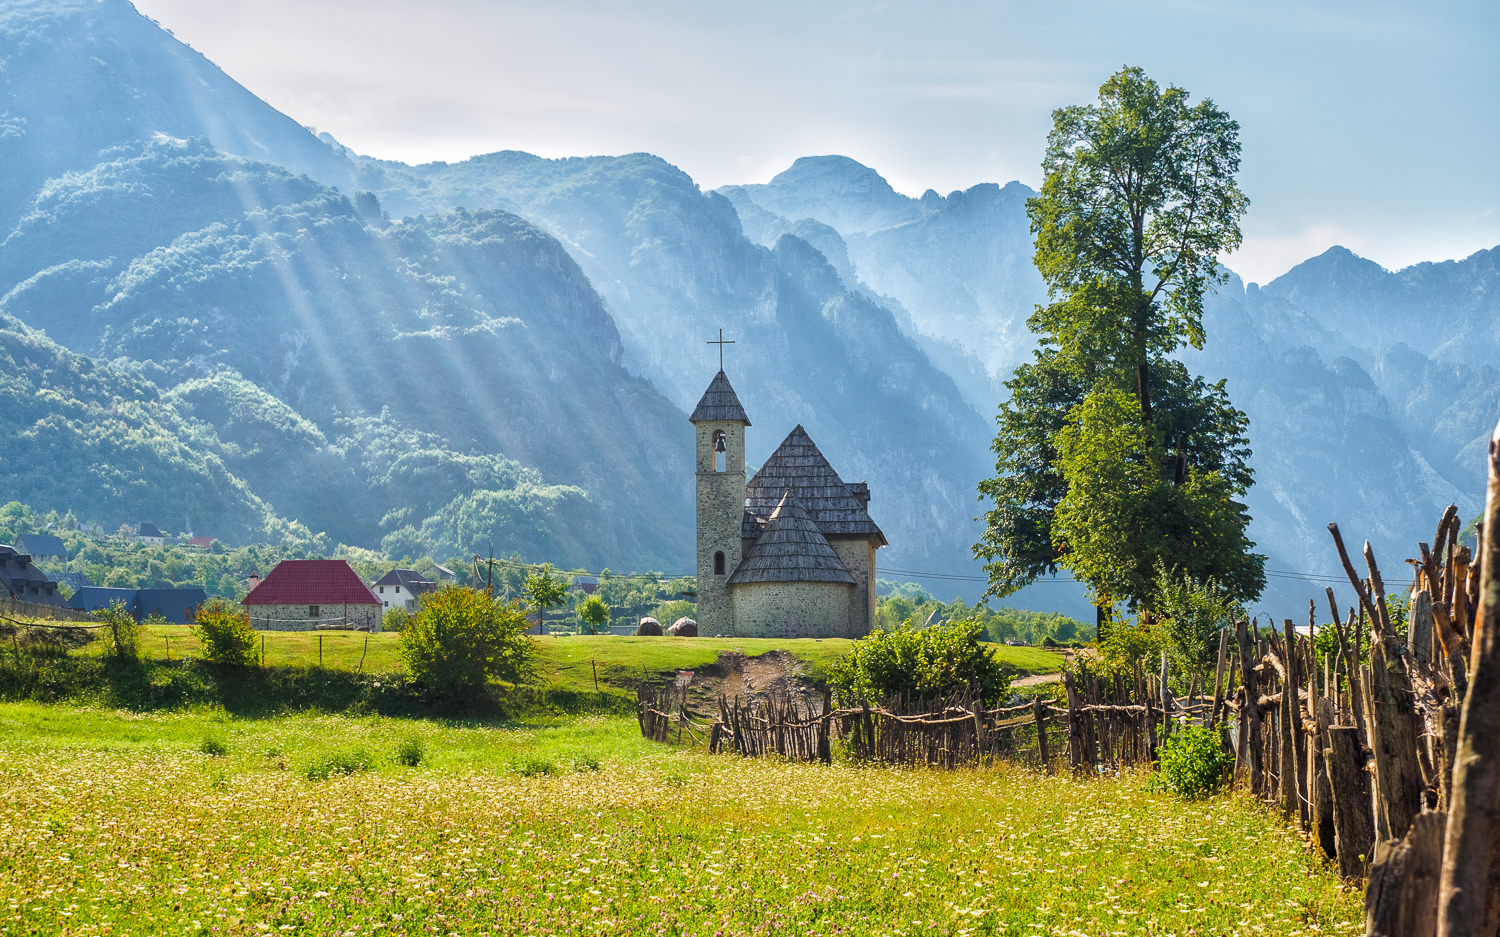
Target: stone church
{"points": [[791, 553]]}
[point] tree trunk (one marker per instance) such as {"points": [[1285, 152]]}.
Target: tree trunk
{"points": [[1143, 390]]}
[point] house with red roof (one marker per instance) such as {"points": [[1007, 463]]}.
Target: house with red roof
{"points": [[306, 595]]}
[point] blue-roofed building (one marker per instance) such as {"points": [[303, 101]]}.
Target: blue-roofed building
{"points": [[93, 598], [73, 581], [41, 547], [175, 605]]}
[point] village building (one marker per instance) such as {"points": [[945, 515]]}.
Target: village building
{"points": [[22, 581], [400, 588], [74, 581], [791, 553], [149, 534], [305, 595], [42, 548], [178, 606]]}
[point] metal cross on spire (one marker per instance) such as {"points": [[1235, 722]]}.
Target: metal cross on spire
{"points": [[721, 343]]}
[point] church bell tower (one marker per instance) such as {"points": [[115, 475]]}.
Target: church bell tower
{"points": [[719, 423]]}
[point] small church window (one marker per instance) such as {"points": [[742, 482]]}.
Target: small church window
{"points": [[719, 563], [721, 453], [313, 611]]}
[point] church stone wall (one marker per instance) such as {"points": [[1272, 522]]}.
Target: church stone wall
{"points": [[721, 512], [793, 610], [858, 556], [296, 617]]}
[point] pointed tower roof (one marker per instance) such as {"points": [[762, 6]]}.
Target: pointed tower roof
{"points": [[719, 404], [830, 503], [791, 549]]}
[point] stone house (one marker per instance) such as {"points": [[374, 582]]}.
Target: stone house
{"points": [[791, 553], [306, 595]]}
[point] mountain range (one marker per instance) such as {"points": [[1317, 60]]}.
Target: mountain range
{"points": [[211, 313]]}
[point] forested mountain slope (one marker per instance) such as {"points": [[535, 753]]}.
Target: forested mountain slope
{"points": [[472, 336], [104, 440]]}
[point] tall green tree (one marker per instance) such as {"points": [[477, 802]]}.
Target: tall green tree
{"points": [[544, 591], [1138, 201]]}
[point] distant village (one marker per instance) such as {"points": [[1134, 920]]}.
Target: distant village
{"points": [[297, 595]]}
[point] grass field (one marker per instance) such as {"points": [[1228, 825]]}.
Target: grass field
{"points": [[565, 660], [120, 823]]}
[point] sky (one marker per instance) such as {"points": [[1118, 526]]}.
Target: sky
{"points": [[1371, 125]]}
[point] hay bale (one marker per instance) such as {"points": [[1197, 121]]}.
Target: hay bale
{"points": [[649, 626], [684, 628]]}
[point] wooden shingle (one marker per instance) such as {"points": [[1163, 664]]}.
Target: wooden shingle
{"points": [[719, 404], [836, 508], [790, 549]]}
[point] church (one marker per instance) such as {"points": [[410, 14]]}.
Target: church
{"points": [[789, 554]]}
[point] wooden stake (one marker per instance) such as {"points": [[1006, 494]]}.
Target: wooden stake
{"points": [[1402, 898], [1349, 785], [1466, 902], [1251, 711]]}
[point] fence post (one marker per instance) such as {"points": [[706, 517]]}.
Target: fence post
{"points": [[1468, 871], [1251, 712], [1041, 734], [1075, 726]]}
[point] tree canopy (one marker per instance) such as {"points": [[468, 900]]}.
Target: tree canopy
{"points": [[1111, 457]]}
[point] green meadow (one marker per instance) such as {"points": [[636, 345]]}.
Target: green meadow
{"points": [[202, 823]]}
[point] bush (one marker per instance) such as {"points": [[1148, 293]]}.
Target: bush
{"points": [[123, 630], [461, 638], [214, 748], [226, 635], [1193, 761], [344, 762], [916, 664], [411, 752], [395, 620], [535, 766], [586, 763]]}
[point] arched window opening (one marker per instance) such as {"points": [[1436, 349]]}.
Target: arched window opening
{"points": [[721, 453], [719, 563]]}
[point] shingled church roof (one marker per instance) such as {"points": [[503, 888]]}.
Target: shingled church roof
{"points": [[790, 549], [720, 403], [830, 503]]}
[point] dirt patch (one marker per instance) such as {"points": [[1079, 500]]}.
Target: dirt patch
{"points": [[774, 673]]}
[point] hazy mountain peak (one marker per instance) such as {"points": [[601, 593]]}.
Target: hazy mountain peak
{"points": [[835, 176], [840, 192]]}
